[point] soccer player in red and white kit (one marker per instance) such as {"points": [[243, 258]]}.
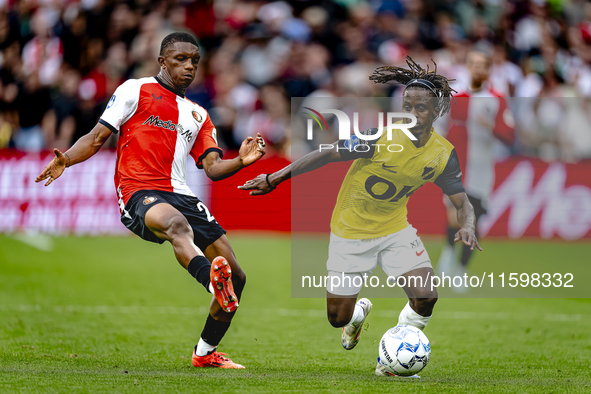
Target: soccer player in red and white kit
{"points": [[159, 128], [480, 115]]}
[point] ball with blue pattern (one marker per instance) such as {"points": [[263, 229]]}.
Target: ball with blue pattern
{"points": [[404, 350]]}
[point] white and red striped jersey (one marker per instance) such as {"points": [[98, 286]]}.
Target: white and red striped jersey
{"points": [[479, 117], [159, 129]]}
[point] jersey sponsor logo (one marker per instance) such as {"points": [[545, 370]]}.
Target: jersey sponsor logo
{"points": [[418, 254], [111, 102], [168, 125], [156, 98], [459, 175], [197, 116], [389, 168], [149, 200], [428, 173]]}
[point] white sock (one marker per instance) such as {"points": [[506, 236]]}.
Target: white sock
{"points": [[204, 348], [358, 315], [409, 317], [210, 288]]}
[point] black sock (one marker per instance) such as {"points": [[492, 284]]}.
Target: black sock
{"points": [[451, 234], [199, 268], [214, 330]]}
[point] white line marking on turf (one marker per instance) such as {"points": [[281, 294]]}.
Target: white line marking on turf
{"points": [[38, 241], [319, 313]]}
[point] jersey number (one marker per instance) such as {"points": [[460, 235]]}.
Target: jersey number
{"points": [[390, 192], [202, 207]]}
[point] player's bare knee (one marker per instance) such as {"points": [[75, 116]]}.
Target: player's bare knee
{"points": [[178, 227], [426, 293]]}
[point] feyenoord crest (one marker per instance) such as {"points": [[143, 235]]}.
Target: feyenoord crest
{"points": [[198, 118], [149, 200]]}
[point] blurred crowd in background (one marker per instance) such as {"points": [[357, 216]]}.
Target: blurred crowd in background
{"points": [[61, 60]]}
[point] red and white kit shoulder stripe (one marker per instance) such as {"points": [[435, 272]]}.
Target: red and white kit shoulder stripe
{"points": [[474, 140], [159, 130]]}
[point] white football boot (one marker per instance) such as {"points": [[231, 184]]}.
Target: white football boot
{"points": [[382, 371], [351, 333]]}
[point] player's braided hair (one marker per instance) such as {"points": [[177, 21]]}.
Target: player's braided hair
{"points": [[418, 77], [176, 37]]}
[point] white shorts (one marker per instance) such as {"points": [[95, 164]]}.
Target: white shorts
{"points": [[396, 253]]}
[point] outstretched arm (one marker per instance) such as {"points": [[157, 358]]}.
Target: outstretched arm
{"points": [[217, 169], [82, 150], [466, 219], [312, 161]]}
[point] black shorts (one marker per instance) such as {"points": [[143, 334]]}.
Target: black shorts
{"points": [[206, 229], [479, 209]]}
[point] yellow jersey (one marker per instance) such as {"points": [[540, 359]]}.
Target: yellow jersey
{"points": [[373, 197]]}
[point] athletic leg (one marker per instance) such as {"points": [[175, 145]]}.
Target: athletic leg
{"points": [[466, 252], [350, 314], [340, 309], [218, 321], [479, 210], [342, 288], [421, 298], [167, 223], [452, 224], [222, 247], [448, 257]]}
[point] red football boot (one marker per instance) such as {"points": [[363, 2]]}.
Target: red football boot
{"points": [[221, 281], [214, 360]]}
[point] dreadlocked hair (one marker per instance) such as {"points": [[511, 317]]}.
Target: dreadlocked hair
{"points": [[405, 76]]}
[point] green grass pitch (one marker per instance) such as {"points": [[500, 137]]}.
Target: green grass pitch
{"points": [[120, 315]]}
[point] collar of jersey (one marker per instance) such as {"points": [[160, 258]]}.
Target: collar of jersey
{"points": [[170, 88], [428, 141]]}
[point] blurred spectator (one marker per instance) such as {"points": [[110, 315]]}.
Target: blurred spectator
{"points": [[43, 54], [256, 52], [263, 54], [504, 75], [272, 120], [36, 121], [64, 104]]}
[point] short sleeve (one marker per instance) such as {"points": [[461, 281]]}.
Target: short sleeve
{"points": [[121, 106], [355, 148], [450, 180], [205, 143]]}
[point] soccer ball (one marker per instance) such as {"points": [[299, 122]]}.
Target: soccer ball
{"points": [[404, 351]]}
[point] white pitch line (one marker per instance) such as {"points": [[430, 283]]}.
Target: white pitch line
{"points": [[316, 313], [38, 241]]}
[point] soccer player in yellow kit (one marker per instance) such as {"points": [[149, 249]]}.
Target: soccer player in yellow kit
{"points": [[369, 225]]}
